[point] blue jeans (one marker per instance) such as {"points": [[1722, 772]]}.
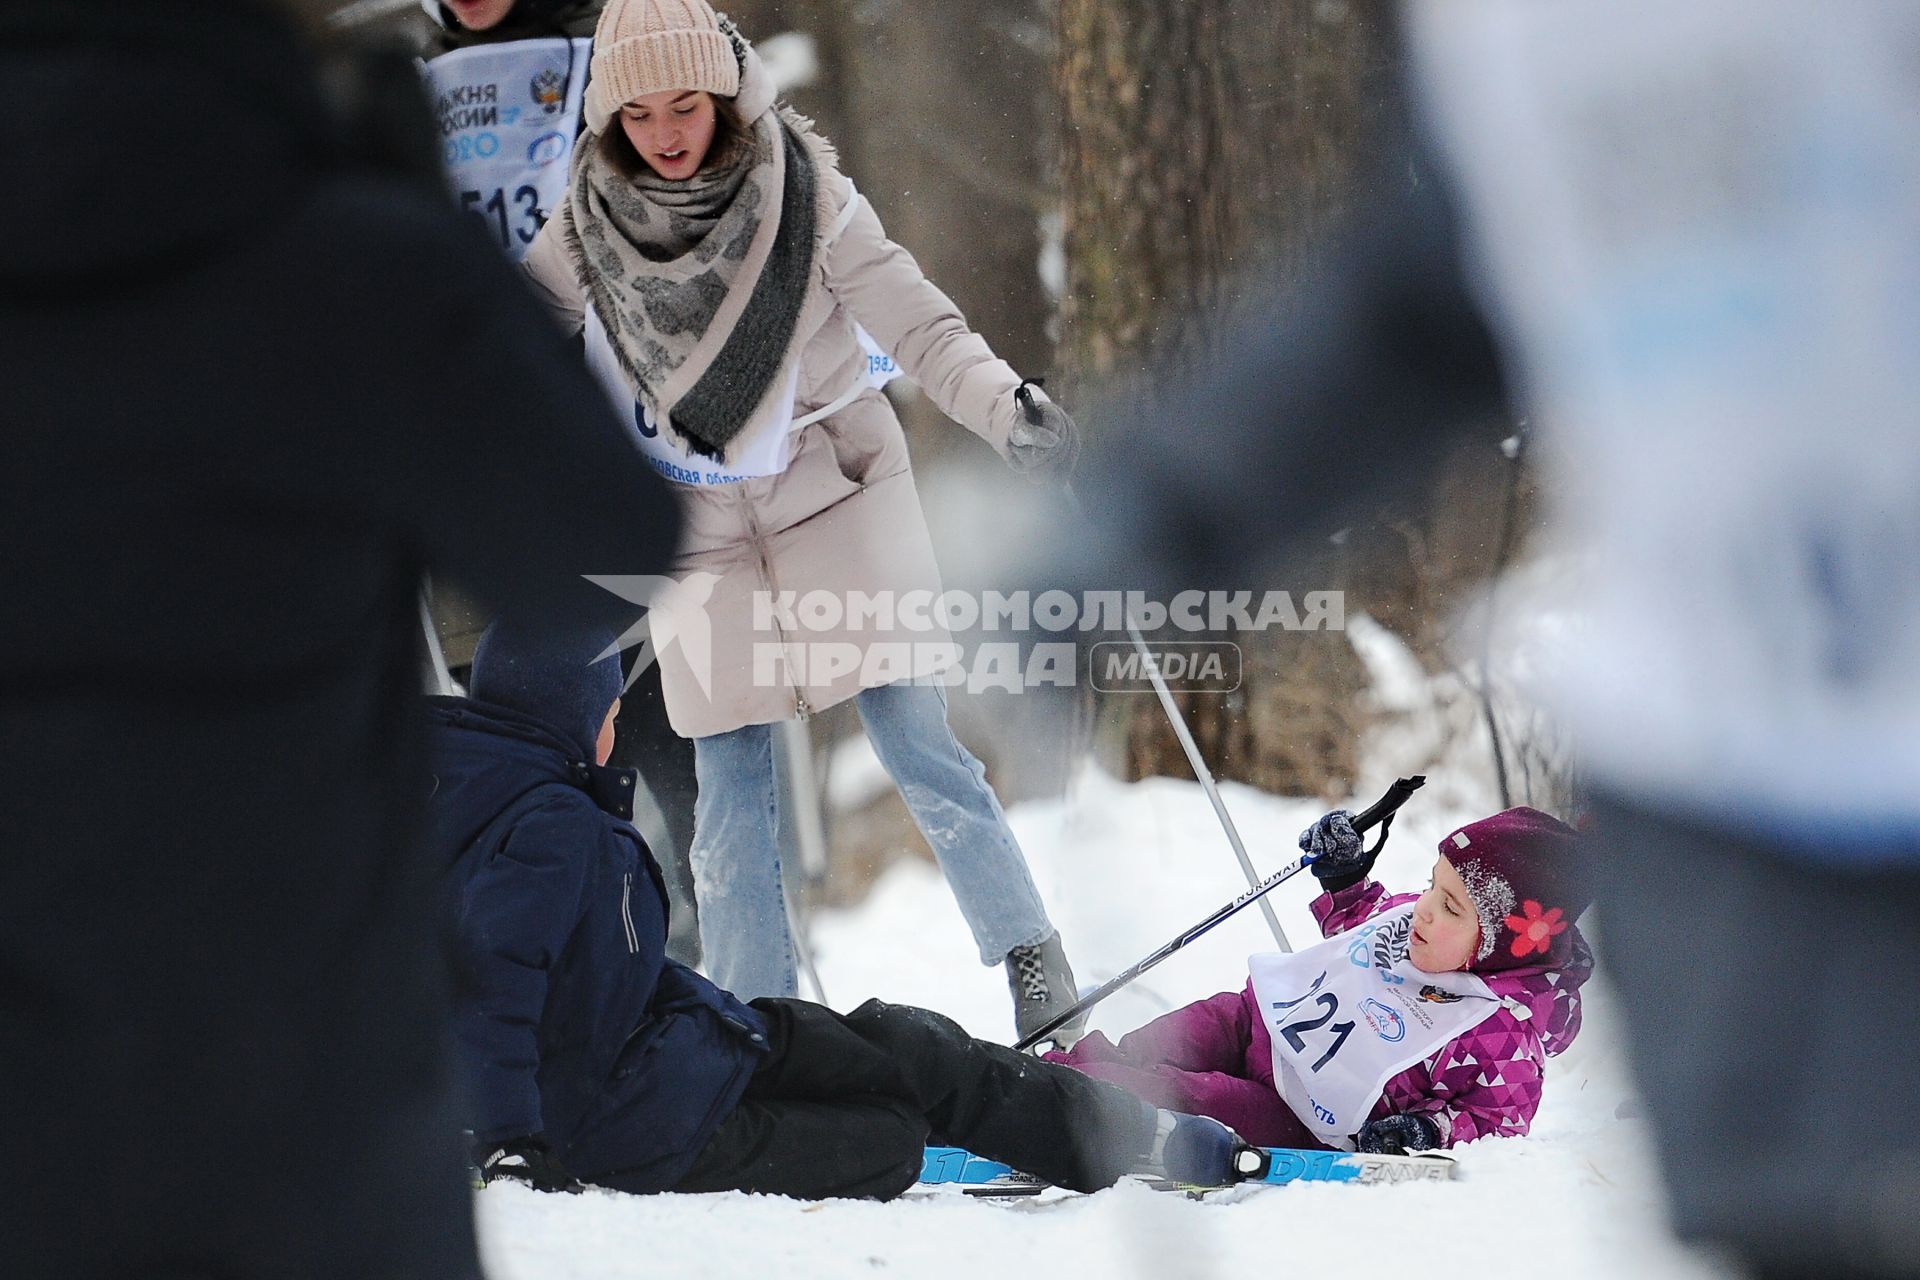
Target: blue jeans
{"points": [[737, 830]]}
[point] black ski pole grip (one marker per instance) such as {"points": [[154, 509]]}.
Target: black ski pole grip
{"points": [[1029, 407], [1385, 807]]}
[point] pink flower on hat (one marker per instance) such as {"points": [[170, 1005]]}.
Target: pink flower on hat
{"points": [[1536, 929]]}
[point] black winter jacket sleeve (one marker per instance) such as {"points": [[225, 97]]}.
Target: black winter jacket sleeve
{"points": [[514, 469], [517, 913]]}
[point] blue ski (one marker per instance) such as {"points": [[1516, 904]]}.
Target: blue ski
{"points": [[978, 1175], [1290, 1164]]}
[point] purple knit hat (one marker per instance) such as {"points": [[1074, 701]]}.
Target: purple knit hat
{"points": [[1525, 873]]}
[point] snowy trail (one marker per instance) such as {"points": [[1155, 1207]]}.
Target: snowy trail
{"points": [[1123, 868]]}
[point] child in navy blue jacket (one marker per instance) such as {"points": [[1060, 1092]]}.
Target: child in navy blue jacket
{"points": [[590, 1055]]}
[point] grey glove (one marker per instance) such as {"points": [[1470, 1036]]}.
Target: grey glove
{"points": [[1399, 1135], [1044, 444], [1340, 858]]}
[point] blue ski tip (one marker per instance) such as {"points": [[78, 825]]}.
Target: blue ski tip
{"points": [[1289, 1164], [952, 1164]]}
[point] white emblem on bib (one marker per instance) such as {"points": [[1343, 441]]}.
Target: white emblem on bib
{"points": [[508, 114], [1350, 1013]]}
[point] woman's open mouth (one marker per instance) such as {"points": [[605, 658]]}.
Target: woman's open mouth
{"points": [[673, 157]]}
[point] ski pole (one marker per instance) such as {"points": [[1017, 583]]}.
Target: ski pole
{"points": [[439, 678], [1379, 814], [793, 760], [1031, 409], [1205, 775]]}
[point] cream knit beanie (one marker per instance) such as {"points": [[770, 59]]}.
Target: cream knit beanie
{"points": [[646, 46]]}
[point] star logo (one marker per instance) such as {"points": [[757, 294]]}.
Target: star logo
{"points": [[676, 614]]}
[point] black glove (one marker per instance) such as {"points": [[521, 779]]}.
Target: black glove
{"points": [[530, 1160], [1397, 1135], [1044, 443], [1340, 857]]}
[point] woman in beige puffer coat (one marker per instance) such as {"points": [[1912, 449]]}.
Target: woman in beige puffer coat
{"points": [[718, 264]]}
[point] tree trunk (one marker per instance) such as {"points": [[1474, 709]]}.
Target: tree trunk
{"points": [[1205, 147]]}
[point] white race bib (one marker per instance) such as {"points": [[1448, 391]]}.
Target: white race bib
{"points": [[1351, 1013], [508, 115], [881, 367], [763, 448]]}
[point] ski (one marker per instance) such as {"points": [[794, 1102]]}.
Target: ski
{"points": [[1289, 1164], [978, 1176]]}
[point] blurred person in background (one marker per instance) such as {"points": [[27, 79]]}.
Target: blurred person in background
{"points": [[508, 79], [1685, 242], [553, 86], [719, 265], [259, 377]]}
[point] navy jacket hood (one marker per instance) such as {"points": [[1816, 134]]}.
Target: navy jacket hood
{"points": [[493, 754]]}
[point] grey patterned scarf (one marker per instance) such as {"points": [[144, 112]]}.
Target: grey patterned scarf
{"points": [[699, 283]]}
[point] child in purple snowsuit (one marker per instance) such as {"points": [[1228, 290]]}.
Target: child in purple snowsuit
{"points": [[1505, 893]]}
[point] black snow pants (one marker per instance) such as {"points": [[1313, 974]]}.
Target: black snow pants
{"points": [[844, 1104]]}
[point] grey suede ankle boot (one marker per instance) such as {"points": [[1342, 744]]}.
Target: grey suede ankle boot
{"points": [[1042, 984]]}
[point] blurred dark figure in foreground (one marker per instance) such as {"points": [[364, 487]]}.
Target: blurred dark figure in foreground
{"points": [[1694, 230], [257, 378]]}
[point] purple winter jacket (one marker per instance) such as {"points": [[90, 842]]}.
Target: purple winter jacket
{"points": [[1215, 1057]]}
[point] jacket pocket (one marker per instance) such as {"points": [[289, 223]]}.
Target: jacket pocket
{"points": [[832, 464], [866, 438], [638, 1046]]}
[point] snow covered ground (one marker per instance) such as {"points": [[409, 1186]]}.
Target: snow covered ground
{"points": [[1124, 867]]}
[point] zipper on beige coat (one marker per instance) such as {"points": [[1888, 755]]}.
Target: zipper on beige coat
{"points": [[767, 583]]}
